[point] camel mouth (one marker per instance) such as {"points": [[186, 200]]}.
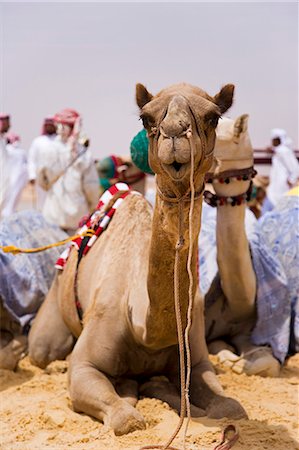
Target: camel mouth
{"points": [[176, 165], [176, 170]]}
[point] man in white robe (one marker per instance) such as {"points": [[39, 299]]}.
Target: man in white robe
{"points": [[39, 145], [19, 172], [11, 171], [68, 174], [284, 172]]}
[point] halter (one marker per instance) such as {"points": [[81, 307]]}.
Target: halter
{"points": [[131, 179], [226, 177], [234, 200], [229, 175]]}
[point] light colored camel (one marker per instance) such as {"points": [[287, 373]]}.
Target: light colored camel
{"points": [[230, 303], [126, 282]]}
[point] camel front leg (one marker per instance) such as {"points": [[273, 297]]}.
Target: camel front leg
{"points": [[49, 338], [205, 389], [167, 392], [91, 391], [206, 392], [128, 390]]}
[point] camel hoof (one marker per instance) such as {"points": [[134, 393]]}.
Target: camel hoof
{"points": [[38, 358], [227, 358], [125, 419], [225, 407], [261, 363], [13, 352]]}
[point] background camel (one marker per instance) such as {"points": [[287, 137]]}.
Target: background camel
{"points": [[113, 169], [24, 279], [230, 303], [126, 283]]}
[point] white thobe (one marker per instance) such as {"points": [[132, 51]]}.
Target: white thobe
{"points": [[13, 176], [72, 192], [39, 145], [284, 171]]}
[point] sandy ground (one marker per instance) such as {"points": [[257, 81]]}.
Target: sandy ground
{"points": [[36, 413]]}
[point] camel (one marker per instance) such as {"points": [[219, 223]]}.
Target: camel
{"points": [[124, 170], [125, 284], [230, 308], [24, 279]]}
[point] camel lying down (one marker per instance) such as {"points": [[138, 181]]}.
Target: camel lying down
{"points": [[234, 296], [24, 279], [125, 283]]}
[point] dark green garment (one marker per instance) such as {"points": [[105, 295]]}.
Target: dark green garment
{"points": [[139, 152]]}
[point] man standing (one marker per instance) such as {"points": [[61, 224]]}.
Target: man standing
{"points": [[10, 171], [5, 164], [68, 174], [38, 146], [19, 172], [284, 172]]}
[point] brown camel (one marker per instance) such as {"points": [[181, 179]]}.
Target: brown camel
{"points": [[230, 310], [126, 282]]}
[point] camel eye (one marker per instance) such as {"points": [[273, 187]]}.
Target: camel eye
{"points": [[213, 121], [147, 121]]}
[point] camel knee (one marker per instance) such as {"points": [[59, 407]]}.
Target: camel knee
{"points": [[38, 354], [41, 352]]}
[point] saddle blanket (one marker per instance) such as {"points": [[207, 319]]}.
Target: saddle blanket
{"points": [[98, 222]]}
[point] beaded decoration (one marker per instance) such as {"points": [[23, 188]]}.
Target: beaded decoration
{"points": [[230, 175], [214, 200]]}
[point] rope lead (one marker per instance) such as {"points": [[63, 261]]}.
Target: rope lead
{"points": [[15, 250]]}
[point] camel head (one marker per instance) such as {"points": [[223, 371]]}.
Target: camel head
{"points": [[233, 147], [180, 120]]}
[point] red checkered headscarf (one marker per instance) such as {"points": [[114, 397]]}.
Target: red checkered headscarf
{"points": [[67, 117]]}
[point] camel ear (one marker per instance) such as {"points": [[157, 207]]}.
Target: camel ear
{"points": [[241, 125], [224, 98], [142, 95]]}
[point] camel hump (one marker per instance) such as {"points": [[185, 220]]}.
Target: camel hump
{"points": [[135, 208]]}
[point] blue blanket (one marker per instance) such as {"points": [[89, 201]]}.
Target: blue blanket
{"points": [[25, 278], [275, 255], [274, 243]]}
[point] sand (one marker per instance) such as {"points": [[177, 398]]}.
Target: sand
{"points": [[36, 413]]}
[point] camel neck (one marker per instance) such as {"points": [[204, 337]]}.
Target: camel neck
{"points": [[161, 328], [234, 260]]}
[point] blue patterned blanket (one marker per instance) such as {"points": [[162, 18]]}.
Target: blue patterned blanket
{"points": [[25, 278], [274, 242]]}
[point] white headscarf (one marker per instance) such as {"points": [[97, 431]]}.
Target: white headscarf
{"points": [[279, 133]]}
